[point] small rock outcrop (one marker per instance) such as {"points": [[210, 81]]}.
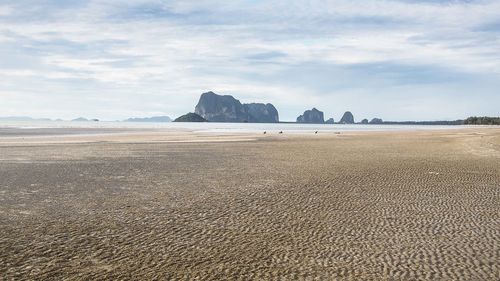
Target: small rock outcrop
{"points": [[330, 121], [376, 121], [347, 118], [218, 108], [190, 117], [364, 121], [312, 116]]}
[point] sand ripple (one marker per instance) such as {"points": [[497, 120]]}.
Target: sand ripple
{"points": [[368, 207]]}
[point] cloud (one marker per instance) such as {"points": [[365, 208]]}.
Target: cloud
{"points": [[267, 56], [144, 55], [5, 10]]}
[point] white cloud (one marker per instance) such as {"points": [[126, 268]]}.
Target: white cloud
{"points": [[174, 50], [5, 10]]}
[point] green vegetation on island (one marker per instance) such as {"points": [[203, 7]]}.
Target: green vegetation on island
{"points": [[484, 120], [190, 117]]}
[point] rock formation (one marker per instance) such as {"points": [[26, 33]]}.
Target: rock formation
{"points": [[376, 121], [312, 116], [190, 117], [364, 121], [330, 121], [261, 113], [348, 118], [217, 108]]}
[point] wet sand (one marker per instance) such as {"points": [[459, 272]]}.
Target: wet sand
{"points": [[184, 206]]}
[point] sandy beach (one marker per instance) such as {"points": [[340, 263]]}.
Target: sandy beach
{"points": [[146, 205]]}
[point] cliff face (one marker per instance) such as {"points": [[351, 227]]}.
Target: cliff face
{"points": [[217, 108], [376, 121], [261, 113], [313, 116], [348, 118]]}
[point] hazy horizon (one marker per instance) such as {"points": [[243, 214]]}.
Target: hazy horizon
{"points": [[397, 60], [90, 118]]}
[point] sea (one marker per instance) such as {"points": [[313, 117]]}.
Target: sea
{"points": [[212, 127]]}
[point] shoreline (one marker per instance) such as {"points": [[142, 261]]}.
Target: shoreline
{"points": [[16, 136]]}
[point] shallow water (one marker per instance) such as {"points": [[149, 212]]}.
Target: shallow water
{"points": [[222, 127]]}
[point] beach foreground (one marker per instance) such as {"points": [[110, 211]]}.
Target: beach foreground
{"points": [[356, 206]]}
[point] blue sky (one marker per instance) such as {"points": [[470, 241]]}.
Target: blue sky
{"points": [[398, 60]]}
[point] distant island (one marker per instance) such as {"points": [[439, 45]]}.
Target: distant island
{"points": [[212, 107], [313, 116], [23, 118], [158, 119], [225, 108], [190, 117], [80, 119], [83, 119], [347, 118]]}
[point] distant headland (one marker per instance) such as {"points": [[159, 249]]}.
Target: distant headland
{"points": [[149, 119]]}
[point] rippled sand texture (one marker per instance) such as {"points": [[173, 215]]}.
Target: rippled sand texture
{"points": [[377, 206]]}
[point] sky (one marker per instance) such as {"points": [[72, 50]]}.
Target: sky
{"points": [[109, 59]]}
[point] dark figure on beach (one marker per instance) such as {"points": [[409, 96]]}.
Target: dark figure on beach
{"points": [[281, 132]]}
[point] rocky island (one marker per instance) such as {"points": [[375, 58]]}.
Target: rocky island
{"points": [[190, 117], [225, 108], [347, 118], [313, 116], [376, 121]]}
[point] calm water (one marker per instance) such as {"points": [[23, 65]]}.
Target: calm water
{"points": [[221, 127]]}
